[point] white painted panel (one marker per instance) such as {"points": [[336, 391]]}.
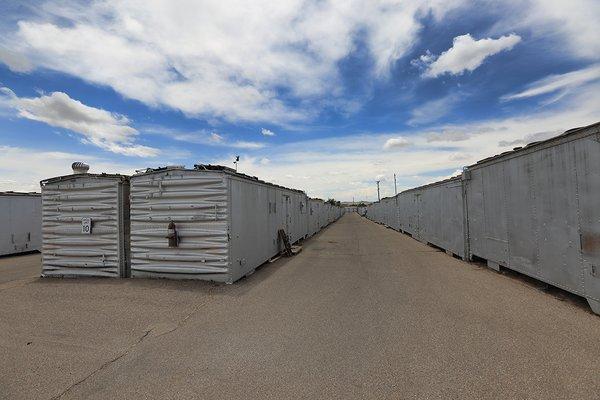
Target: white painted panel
{"points": [[69, 252]]}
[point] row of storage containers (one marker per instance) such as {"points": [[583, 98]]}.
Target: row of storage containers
{"points": [[534, 210], [208, 223], [20, 222]]}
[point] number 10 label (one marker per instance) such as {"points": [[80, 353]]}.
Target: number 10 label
{"points": [[86, 226]]}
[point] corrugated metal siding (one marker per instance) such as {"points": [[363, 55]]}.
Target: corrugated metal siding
{"points": [[227, 223], [297, 210], [534, 210], [537, 213], [441, 216], [313, 218], [69, 252], [432, 213], [198, 203], [255, 223], [21, 222]]}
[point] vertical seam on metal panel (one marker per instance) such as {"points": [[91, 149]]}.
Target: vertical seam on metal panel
{"points": [[229, 207], [577, 203], [120, 233], [536, 221], [506, 214], [466, 235]]}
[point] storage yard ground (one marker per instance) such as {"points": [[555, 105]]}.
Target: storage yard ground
{"points": [[362, 312]]}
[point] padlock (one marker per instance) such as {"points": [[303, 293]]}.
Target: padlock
{"points": [[172, 235]]}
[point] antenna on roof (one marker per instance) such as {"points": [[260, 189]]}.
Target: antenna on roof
{"points": [[237, 159]]}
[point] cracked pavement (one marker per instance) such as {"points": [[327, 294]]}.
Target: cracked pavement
{"points": [[361, 312]]}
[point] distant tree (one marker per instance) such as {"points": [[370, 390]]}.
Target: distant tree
{"points": [[361, 204]]}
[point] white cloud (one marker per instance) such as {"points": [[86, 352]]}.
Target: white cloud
{"points": [[222, 59], [562, 82], [22, 168], [267, 132], [216, 138], [98, 127], [529, 138], [15, 61], [204, 137], [466, 54], [449, 136], [572, 26], [334, 162], [243, 144], [396, 143], [433, 110]]}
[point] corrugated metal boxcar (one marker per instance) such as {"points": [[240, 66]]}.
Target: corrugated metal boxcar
{"points": [[209, 222], [314, 218], [85, 225], [21, 222], [535, 210], [434, 214]]}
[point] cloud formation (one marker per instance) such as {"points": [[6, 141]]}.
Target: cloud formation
{"points": [[218, 59], [267, 132], [204, 137], [555, 83], [396, 143], [433, 110], [23, 168], [466, 54], [109, 131], [344, 167]]}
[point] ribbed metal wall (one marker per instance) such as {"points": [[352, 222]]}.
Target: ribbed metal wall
{"points": [[533, 210], [434, 214], [537, 212], [227, 223], [69, 252], [198, 203], [21, 222], [314, 224]]}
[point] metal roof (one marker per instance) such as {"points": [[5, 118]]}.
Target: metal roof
{"points": [[86, 175], [566, 136], [216, 168], [11, 193]]}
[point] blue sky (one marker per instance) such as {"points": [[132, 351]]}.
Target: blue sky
{"points": [[325, 96]]}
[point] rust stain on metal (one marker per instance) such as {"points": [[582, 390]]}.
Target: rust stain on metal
{"points": [[590, 243]]}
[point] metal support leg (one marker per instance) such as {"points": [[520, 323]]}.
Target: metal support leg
{"points": [[594, 305], [493, 265]]}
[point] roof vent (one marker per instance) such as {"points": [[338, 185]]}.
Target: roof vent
{"points": [[80, 167]]}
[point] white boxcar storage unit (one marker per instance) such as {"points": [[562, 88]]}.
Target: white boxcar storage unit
{"points": [[85, 225], [209, 223], [536, 210], [21, 222], [434, 214], [314, 215]]}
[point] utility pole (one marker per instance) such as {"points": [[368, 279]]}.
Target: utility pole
{"points": [[378, 196], [395, 187]]}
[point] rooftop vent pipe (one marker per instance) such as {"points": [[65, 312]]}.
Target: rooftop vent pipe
{"points": [[80, 168]]}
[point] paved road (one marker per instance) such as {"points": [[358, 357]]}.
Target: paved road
{"points": [[362, 312], [20, 267]]}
